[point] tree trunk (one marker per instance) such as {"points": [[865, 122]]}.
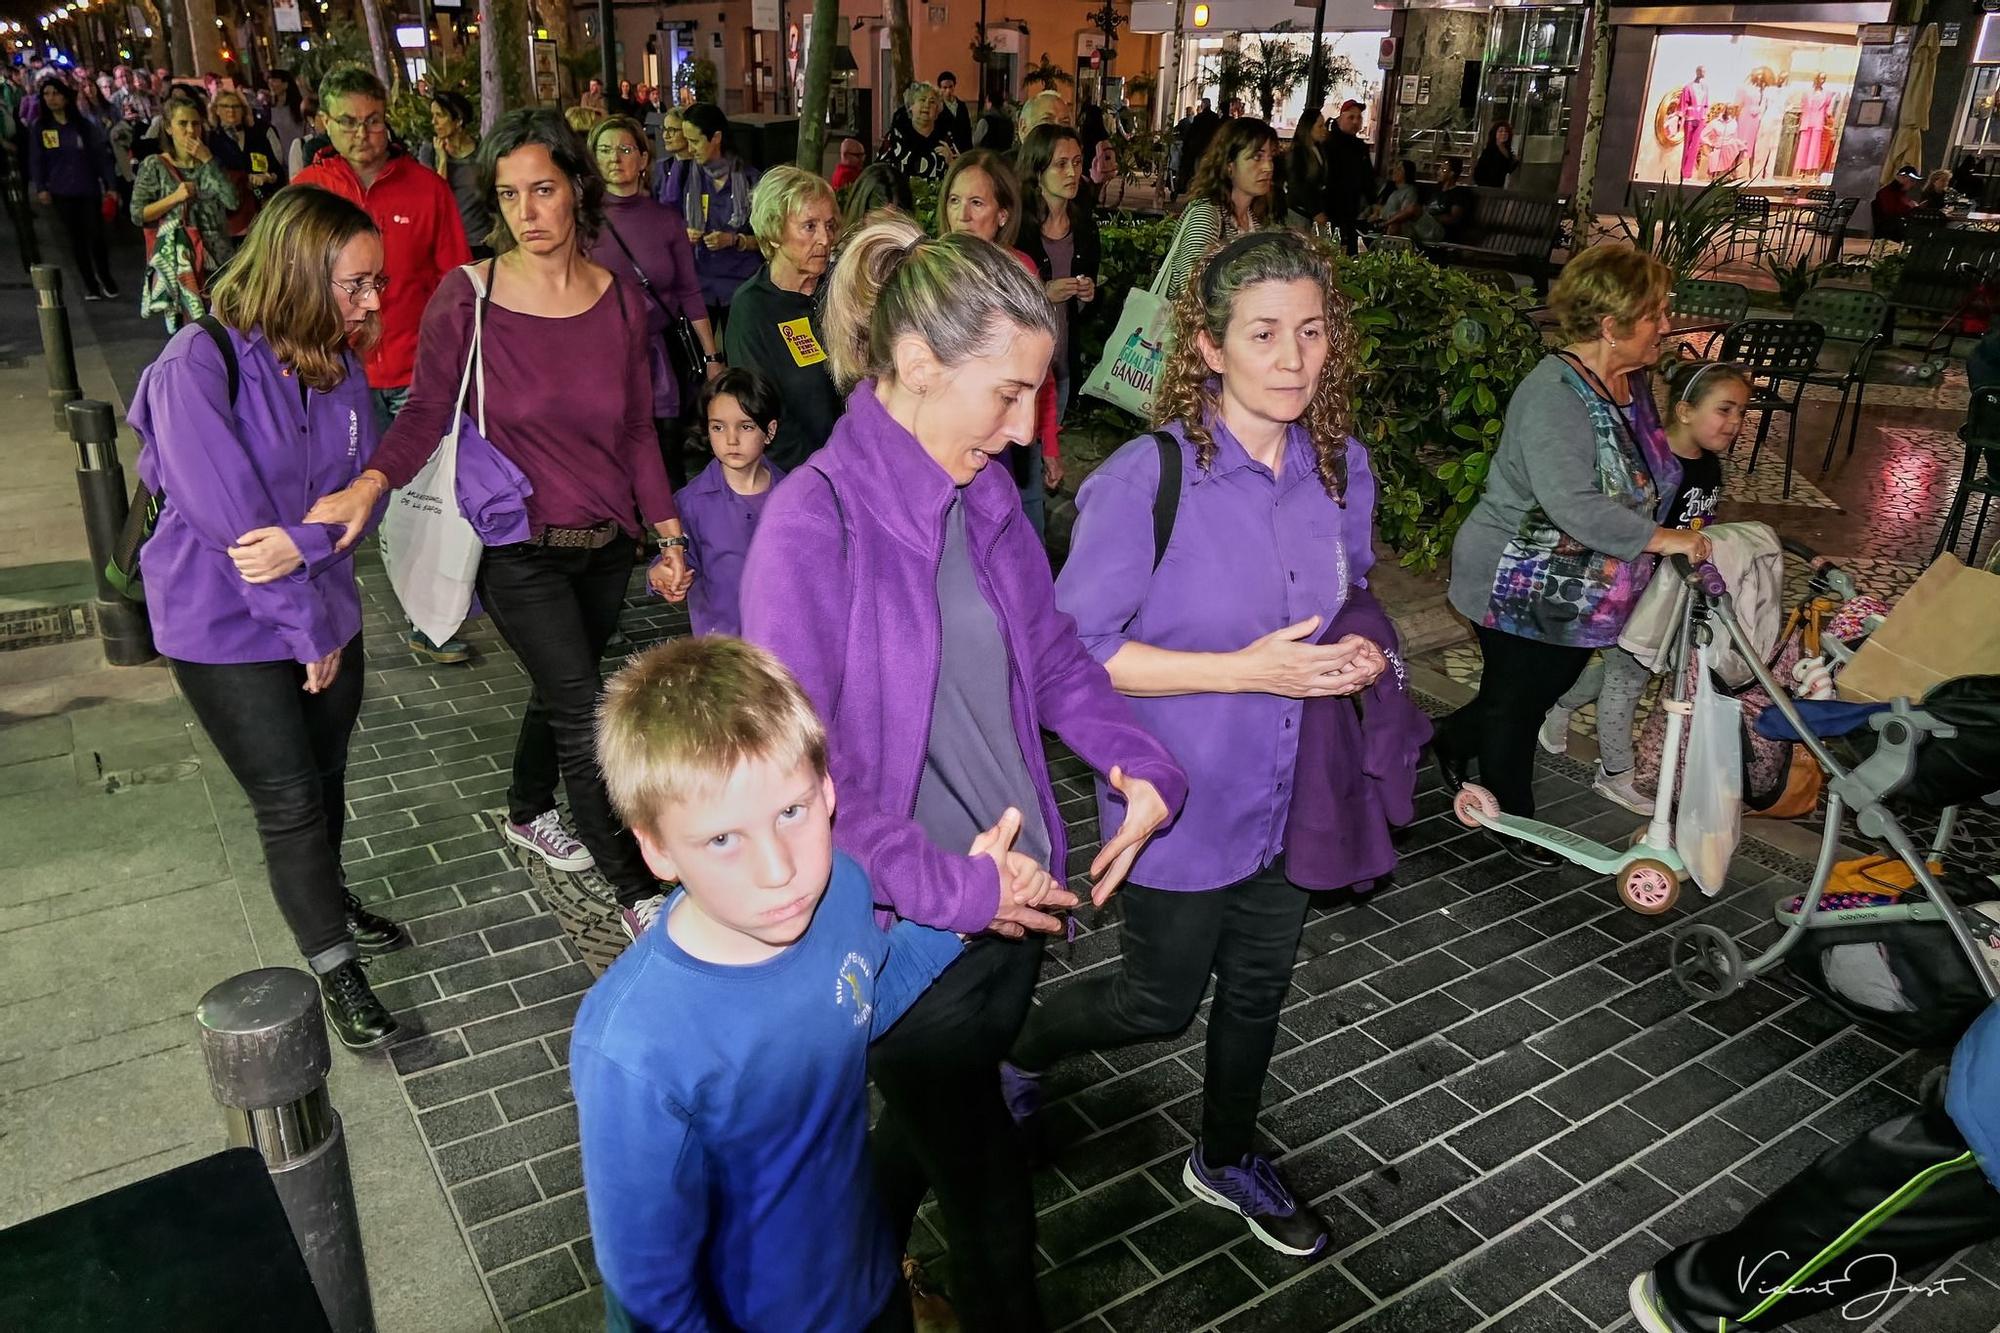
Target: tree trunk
{"points": [[378, 44], [1582, 217], [819, 83], [902, 66], [1315, 82], [160, 47], [503, 59], [204, 46]]}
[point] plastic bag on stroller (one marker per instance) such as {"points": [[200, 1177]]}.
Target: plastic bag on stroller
{"points": [[1709, 819]]}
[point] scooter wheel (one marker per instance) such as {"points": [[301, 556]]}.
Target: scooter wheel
{"points": [[1648, 887], [1706, 962], [1928, 371], [1472, 802]]}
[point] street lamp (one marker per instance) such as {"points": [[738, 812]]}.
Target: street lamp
{"points": [[1108, 21]]}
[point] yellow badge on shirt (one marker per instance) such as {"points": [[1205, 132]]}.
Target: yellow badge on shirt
{"points": [[51, 139], [803, 342], [259, 164]]}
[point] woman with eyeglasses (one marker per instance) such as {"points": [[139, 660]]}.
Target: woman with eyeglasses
{"points": [[644, 242], [568, 400], [248, 151], [243, 419]]}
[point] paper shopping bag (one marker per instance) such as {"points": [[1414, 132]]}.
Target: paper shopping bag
{"points": [[1946, 626]]}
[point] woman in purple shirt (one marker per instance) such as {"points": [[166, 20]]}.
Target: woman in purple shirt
{"points": [[645, 243], [1216, 643], [256, 611], [898, 579], [564, 346]]}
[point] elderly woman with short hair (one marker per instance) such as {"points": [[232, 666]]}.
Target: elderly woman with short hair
{"points": [[1553, 558], [774, 317], [917, 145]]}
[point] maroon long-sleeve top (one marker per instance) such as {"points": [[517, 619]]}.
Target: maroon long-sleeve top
{"points": [[569, 401]]}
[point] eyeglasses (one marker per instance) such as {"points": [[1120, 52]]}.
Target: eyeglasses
{"points": [[616, 150], [357, 288], [349, 125]]}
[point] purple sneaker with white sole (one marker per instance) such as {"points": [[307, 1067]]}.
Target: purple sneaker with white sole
{"points": [[1253, 1190], [545, 836]]}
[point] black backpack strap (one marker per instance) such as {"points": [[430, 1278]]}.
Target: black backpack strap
{"points": [[1167, 499], [214, 329]]}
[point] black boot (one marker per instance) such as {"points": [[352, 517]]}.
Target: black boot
{"points": [[352, 1011], [371, 933]]}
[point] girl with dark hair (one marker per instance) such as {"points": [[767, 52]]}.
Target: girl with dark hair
{"points": [[1231, 195], [878, 186], [1059, 233], [896, 578], [452, 152], [738, 416], [716, 188], [255, 609], [1401, 206], [1255, 397], [552, 320], [1497, 161], [70, 171]]}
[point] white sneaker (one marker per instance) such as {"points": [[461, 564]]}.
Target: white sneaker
{"points": [[642, 914], [1623, 790], [1648, 1308], [546, 837], [1554, 735]]}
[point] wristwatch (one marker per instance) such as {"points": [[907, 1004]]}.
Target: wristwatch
{"points": [[669, 543], [711, 358]]}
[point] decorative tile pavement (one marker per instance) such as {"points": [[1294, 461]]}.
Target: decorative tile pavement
{"points": [[1485, 1079], [1765, 485]]}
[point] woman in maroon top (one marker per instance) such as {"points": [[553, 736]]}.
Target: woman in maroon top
{"points": [[554, 323]]}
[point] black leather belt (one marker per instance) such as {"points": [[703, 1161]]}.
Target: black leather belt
{"points": [[589, 539]]}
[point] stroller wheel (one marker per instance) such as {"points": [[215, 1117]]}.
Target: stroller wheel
{"points": [[1706, 962], [1473, 801], [1648, 887]]}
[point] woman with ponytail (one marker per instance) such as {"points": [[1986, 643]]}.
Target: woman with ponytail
{"points": [[896, 575]]}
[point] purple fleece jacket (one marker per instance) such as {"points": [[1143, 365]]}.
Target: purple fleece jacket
{"points": [[841, 583]]}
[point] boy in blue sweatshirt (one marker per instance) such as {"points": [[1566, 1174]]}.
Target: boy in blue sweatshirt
{"points": [[720, 1065]]}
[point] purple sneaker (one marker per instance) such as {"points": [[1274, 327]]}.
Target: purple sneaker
{"points": [[1253, 1190], [1022, 1092], [546, 837], [642, 914]]}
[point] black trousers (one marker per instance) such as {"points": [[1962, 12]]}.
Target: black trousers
{"points": [[1853, 1230], [945, 1129], [82, 219], [288, 751], [1247, 934], [1519, 682], [557, 607]]}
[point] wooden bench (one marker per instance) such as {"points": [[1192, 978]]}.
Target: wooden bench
{"points": [[1510, 231]]}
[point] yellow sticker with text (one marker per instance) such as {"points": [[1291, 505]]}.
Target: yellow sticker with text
{"points": [[51, 139], [259, 164], [803, 342]]}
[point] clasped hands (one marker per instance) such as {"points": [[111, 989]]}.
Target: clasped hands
{"points": [[1026, 888]]}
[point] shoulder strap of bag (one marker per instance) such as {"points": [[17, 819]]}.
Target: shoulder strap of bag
{"points": [[214, 329], [1167, 499], [475, 362], [645, 283]]}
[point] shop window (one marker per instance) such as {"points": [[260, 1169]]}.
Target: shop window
{"points": [[1766, 111]]}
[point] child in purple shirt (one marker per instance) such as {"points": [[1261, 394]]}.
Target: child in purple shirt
{"points": [[739, 413]]}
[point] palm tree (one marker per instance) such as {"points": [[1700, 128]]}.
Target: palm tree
{"points": [[1593, 124], [902, 66], [1273, 64], [378, 42], [503, 58], [819, 84]]}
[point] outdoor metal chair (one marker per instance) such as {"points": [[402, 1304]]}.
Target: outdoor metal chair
{"points": [[1821, 192], [1979, 474], [1779, 354], [1855, 324], [1703, 298], [1752, 219], [1823, 231]]}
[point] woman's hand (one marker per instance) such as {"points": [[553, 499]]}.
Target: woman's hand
{"points": [[1062, 289], [1680, 541], [265, 555], [1086, 289], [1364, 668], [1052, 473], [1025, 887], [320, 674], [670, 576], [720, 240], [350, 508], [1282, 663], [1145, 811], [713, 370]]}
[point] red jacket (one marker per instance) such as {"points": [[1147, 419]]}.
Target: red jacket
{"points": [[422, 240]]}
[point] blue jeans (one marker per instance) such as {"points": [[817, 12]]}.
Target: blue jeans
{"points": [[388, 402]]}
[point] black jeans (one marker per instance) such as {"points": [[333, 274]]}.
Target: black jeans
{"points": [[288, 751], [1916, 1169], [1519, 681], [82, 218], [557, 607], [945, 1128], [1247, 934]]}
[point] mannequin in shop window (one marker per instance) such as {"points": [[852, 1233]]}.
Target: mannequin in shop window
{"points": [[1722, 142], [1694, 119], [1815, 126], [1750, 101]]}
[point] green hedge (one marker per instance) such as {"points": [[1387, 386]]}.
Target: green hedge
{"points": [[1439, 354]]}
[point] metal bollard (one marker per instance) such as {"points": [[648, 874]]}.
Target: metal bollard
{"points": [[58, 352], [124, 627], [266, 1049], [23, 219]]}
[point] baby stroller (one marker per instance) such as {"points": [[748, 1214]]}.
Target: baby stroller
{"points": [[1942, 753]]}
